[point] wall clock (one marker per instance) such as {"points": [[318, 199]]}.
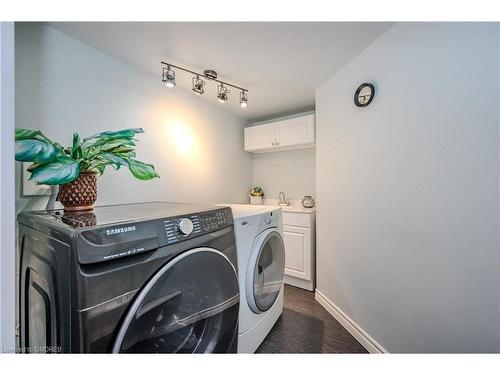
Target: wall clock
{"points": [[364, 94]]}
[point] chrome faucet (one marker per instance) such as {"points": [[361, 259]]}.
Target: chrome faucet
{"points": [[282, 201]]}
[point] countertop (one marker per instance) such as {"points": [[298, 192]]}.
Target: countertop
{"points": [[298, 209], [295, 206]]}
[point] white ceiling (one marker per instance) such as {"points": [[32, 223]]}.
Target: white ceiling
{"points": [[280, 63]]}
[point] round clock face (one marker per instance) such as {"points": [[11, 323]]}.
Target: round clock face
{"points": [[364, 95]]}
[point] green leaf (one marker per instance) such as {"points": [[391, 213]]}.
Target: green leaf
{"points": [[125, 154], [22, 134], [125, 133], [100, 168], [94, 165], [108, 145], [61, 148], [56, 173], [115, 160], [32, 150], [141, 170], [97, 167], [93, 150], [27, 134], [76, 150], [32, 166]]}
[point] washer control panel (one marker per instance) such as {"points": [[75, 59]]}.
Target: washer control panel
{"points": [[214, 220], [185, 227], [190, 226]]}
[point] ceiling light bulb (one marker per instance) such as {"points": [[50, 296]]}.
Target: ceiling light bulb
{"points": [[243, 99], [198, 85], [168, 77], [222, 93]]}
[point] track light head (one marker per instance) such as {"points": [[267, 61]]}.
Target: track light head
{"points": [[222, 93], [198, 85], [243, 99], [168, 77]]}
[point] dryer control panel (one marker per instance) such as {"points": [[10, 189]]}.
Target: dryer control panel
{"points": [[183, 227]]}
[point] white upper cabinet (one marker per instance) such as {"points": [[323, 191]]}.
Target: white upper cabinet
{"points": [[294, 133], [260, 137]]}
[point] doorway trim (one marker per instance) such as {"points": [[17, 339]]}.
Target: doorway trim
{"points": [[7, 189]]}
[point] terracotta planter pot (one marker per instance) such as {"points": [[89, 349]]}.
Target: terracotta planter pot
{"points": [[80, 194]]}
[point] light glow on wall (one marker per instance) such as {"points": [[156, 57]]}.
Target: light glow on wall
{"points": [[182, 138]]}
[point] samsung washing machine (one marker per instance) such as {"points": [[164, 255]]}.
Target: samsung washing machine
{"points": [[261, 264], [138, 278]]}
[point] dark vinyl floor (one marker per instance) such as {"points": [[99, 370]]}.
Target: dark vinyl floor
{"points": [[306, 327]]}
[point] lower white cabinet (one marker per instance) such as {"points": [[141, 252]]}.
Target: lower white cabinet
{"points": [[299, 236]]}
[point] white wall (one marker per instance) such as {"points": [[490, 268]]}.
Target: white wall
{"points": [[293, 172], [7, 211], [64, 86], [407, 188]]}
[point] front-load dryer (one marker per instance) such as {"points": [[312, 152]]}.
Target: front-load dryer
{"points": [[261, 264], [138, 278]]}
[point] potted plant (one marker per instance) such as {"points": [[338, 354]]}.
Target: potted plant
{"points": [[75, 168], [256, 195]]}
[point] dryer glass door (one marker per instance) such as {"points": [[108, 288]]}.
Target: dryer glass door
{"points": [[189, 306], [269, 267]]}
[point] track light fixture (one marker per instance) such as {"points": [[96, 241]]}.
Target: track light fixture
{"points": [[168, 78], [222, 93], [243, 99], [198, 85]]}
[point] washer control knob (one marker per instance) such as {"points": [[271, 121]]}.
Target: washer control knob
{"points": [[185, 227], [267, 219]]}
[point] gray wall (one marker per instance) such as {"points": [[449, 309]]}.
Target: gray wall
{"points": [[293, 172], [407, 188], [64, 86]]}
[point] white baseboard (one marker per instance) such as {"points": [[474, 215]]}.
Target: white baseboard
{"points": [[299, 283], [355, 330]]}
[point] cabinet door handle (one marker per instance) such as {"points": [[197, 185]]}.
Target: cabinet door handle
{"points": [[272, 143], [277, 143]]}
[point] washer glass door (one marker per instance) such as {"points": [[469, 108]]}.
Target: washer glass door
{"points": [[268, 263], [189, 306]]}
